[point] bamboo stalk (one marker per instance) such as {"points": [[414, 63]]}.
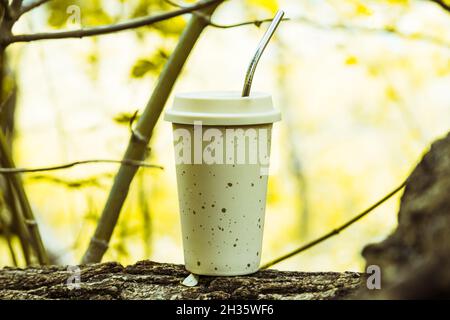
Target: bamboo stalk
{"points": [[137, 147]]}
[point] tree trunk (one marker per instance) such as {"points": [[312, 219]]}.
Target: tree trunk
{"points": [[415, 259]]}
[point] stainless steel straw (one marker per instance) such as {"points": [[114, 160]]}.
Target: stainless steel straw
{"points": [[259, 51]]}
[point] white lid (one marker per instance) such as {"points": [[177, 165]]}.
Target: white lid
{"points": [[222, 108]]}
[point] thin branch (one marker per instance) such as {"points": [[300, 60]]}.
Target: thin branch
{"points": [[257, 23], [442, 4], [19, 222], [106, 29], [28, 215], [131, 163], [5, 228], [315, 24], [385, 30], [93, 181], [337, 26], [173, 3], [222, 26], [31, 6], [335, 231]]}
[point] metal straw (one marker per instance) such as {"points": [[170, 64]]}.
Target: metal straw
{"points": [[259, 51]]}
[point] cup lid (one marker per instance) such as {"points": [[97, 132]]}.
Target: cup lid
{"points": [[222, 108]]}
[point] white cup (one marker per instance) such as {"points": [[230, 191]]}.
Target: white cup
{"points": [[222, 148]]}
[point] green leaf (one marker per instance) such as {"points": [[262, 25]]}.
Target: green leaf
{"points": [[142, 67], [153, 64], [124, 118]]}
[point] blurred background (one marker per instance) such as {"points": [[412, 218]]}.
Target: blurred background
{"points": [[363, 86]]}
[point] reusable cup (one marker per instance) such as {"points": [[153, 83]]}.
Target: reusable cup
{"points": [[222, 148]]}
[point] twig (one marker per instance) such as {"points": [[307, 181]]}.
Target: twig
{"points": [[7, 234], [95, 31], [257, 23], [131, 163], [93, 181], [224, 26], [11, 250], [315, 24], [173, 3], [31, 6], [386, 30], [335, 231], [19, 222], [442, 4], [337, 26], [17, 185]]}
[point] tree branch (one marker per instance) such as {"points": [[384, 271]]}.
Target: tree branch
{"points": [[335, 231], [315, 24], [131, 163], [442, 4], [31, 6], [337, 26], [93, 181], [16, 4], [28, 216], [6, 8], [95, 31]]}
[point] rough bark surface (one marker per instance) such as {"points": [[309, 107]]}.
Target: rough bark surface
{"points": [[151, 280], [415, 259]]}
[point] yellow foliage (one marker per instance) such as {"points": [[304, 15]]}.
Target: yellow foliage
{"points": [[269, 5], [361, 8], [351, 60], [399, 2], [392, 94]]}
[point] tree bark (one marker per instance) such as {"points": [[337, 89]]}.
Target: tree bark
{"points": [[151, 280], [414, 261]]}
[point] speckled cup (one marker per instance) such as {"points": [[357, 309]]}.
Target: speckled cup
{"points": [[222, 205]]}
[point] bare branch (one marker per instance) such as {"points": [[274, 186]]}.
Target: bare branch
{"points": [[31, 6], [222, 26], [16, 4], [257, 23], [7, 8], [315, 24], [93, 181], [338, 26], [444, 5], [335, 231], [173, 3], [131, 163], [385, 30], [95, 31]]}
